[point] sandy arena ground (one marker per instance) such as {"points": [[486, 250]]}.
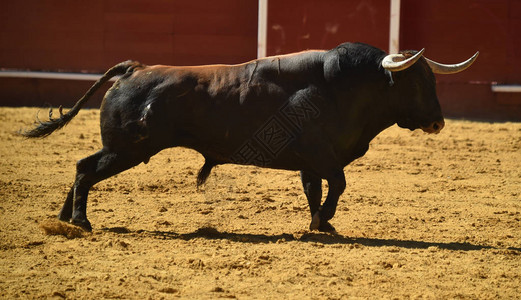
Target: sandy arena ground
{"points": [[423, 216]]}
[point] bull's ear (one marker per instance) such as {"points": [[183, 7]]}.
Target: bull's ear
{"points": [[332, 65]]}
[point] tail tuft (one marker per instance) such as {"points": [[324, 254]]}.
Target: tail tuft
{"points": [[45, 129]]}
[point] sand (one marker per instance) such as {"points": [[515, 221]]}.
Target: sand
{"points": [[423, 216]]}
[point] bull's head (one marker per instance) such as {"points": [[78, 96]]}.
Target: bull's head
{"points": [[414, 83]]}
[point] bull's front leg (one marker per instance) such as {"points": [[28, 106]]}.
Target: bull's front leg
{"points": [[312, 185], [337, 185]]}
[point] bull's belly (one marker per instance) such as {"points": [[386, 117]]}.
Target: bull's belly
{"points": [[256, 154]]}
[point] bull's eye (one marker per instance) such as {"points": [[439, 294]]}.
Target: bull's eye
{"points": [[435, 126]]}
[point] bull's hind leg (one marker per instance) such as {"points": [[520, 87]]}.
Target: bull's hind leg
{"points": [[90, 171], [66, 211]]}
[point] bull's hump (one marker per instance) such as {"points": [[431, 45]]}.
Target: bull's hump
{"points": [[294, 55]]}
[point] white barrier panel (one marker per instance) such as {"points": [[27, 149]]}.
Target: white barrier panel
{"points": [[53, 75], [506, 88]]}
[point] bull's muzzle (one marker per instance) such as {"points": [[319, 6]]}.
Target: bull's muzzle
{"points": [[434, 127]]}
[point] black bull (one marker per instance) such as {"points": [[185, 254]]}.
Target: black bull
{"points": [[314, 111]]}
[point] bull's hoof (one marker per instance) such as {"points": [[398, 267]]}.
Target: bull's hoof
{"points": [[322, 226], [326, 227], [83, 224], [63, 216], [315, 222]]}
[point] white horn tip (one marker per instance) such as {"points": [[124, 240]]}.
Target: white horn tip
{"points": [[453, 68]]}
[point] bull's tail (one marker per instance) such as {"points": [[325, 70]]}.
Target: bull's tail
{"points": [[44, 129]]}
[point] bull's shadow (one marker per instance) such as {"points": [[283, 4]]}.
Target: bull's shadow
{"points": [[212, 233]]}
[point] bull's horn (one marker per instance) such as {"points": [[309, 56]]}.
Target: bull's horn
{"points": [[451, 69], [399, 62]]}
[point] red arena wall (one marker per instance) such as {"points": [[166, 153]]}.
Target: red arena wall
{"points": [[92, 36]]}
